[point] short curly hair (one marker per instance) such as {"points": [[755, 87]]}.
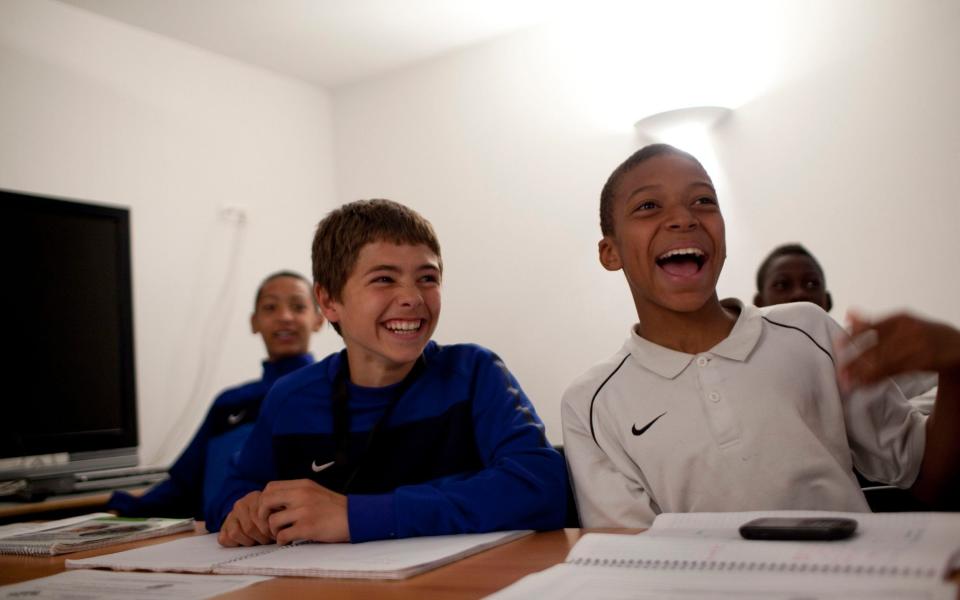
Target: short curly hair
{"points": [[609, 191], [277, 275], [785, 250]]}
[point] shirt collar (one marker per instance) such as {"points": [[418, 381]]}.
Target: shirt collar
{"points": [[669, 363], [273, 370]]}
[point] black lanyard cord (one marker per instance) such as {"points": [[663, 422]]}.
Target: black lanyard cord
{"points": [[341, 416]]}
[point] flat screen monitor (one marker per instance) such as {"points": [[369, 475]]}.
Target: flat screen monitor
{"points": [[69, 391]]}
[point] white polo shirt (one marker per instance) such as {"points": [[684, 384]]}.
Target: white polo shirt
{"points": [[758, 422]]}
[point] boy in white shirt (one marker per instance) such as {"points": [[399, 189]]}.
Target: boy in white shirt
{"points": [[720, 406]]}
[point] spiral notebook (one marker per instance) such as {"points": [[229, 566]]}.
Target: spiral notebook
{"points": [[385, 559], [892, 555], [95, 530]]}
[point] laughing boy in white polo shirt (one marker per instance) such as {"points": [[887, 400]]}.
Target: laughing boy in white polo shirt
{"points": [[721, 406]]}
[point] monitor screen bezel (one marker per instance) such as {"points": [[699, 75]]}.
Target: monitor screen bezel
{"points": [[89, 449]]}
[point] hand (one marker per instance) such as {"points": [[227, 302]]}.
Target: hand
{"points": [[302, 509], [899, 343], [243, 526]]}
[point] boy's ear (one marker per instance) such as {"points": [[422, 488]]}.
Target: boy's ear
{"points": [[328, 308], [829, 301], [253, 323], [609, 256], [317, 321], [758, 300]]}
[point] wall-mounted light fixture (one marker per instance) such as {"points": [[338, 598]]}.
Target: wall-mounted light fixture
{"points": [[674, 126], [688, 129]]}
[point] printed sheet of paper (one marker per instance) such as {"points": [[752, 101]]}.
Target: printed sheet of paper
{"points": [[105, 585]]}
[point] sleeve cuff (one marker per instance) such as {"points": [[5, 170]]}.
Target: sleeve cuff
{"points": [[122, 502], [371, 517]]}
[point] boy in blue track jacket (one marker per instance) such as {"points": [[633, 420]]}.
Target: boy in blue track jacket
{"points": [[396, 435], [285, 316]]}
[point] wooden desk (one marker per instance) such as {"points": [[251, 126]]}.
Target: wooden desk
{"points": [[58, 507], [473, 577]]}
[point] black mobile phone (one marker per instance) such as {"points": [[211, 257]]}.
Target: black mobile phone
{"points": [[798, 528]]}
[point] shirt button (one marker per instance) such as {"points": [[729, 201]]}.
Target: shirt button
{"points": [[702, 361], [714, 397]]}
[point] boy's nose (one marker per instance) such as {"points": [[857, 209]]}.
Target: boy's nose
{"points": [[409, 296], [681, 219]]}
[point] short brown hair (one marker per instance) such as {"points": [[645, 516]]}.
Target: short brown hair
{"points": [[609, 192], [345, 230]]}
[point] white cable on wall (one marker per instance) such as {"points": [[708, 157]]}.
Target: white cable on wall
{"points": [[215, 327]]}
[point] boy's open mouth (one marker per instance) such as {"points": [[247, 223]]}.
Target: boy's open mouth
{"points": [[682, 262], [404, 325]]}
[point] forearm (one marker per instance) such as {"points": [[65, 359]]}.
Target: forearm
{"points": [[166, 499], [518, 492], [938, 483]]}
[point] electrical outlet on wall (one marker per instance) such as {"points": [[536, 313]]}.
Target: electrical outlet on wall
{"points": [[233, 214]]}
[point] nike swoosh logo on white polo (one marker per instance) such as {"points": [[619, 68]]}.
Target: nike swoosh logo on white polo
{"points": [[645, 427], [317, 469]]}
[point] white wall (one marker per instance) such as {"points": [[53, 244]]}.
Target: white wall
{"points": [[95, 110], [846, 137]]}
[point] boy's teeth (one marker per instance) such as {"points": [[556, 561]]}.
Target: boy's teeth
{"points": [[403, 325], [669, 253]]}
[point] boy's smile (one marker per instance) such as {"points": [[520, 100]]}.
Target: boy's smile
{"points": [[668, 235], [388, 310]]}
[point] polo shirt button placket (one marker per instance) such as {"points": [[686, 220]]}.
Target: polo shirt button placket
{"points": [[714, 397]]}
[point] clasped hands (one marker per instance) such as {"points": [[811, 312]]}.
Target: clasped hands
{"points": [[285, 511]]}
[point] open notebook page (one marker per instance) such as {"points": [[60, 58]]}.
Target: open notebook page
{"points": [[195, 554], [914, 545], [574, 582], [385, 559]]}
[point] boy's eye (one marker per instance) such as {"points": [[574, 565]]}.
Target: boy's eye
{"points": [[645, 205], [268, 307], [430, 278], [705, 200], [812, 284], [382, 279], [779, 285]]}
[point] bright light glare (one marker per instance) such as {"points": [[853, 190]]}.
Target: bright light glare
{"points": [[637, 58]]}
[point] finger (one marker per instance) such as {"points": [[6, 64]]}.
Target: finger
{"points": [[271, 502], [884, 360], [856, 322], [300, 527], [225, 540], [281, 520], [234, 535], [288, 484], [290, 534], [253, 528], [849, 349]]}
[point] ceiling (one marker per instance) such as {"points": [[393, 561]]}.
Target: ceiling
{"points": [[327, 42]]}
